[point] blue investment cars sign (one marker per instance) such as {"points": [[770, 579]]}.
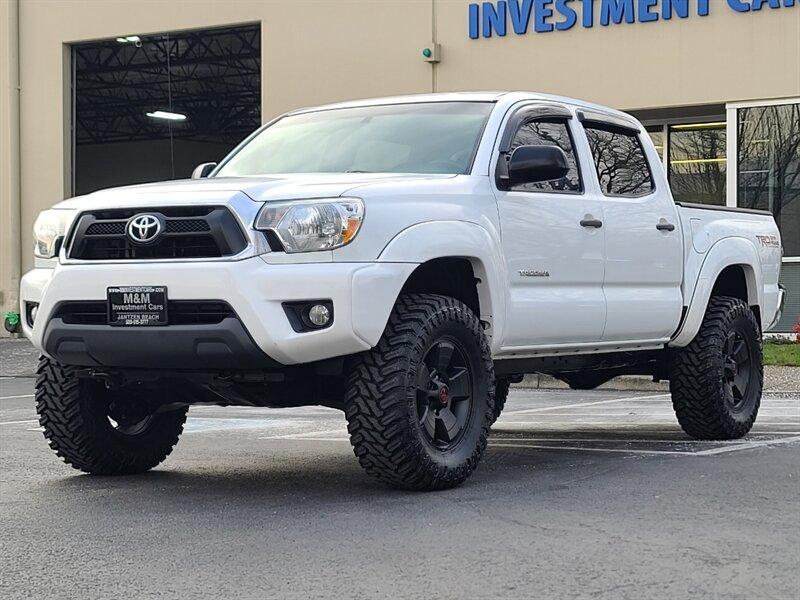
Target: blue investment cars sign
{"points": [[518, 16]]}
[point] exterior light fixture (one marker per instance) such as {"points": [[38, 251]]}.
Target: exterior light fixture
{"points": [[432, 53]]}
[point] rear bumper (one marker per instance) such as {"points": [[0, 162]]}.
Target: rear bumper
{"points": [[260, 335], [779, 312]]}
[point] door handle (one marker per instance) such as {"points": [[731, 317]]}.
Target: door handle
{"points": [[664, 226], [596, 223]]}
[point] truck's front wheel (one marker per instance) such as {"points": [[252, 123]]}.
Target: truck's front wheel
{"points": [[420, 403], [102, 431], [716, 380]]}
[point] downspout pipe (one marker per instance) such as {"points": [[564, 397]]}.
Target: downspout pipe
{"points": [[11, 153]]}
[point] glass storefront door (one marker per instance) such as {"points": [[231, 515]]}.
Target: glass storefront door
{"points": [[768, 178], [768, 162]]}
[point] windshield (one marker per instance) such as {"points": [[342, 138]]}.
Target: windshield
{"points": [[434, 137]]}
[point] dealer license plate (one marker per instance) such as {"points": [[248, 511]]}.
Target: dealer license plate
{"points": [[137, 306]]}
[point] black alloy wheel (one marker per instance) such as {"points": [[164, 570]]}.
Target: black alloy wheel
{"points": [[103, 431], [419, 405], [716, 381], [737, 367], [444, 394]]}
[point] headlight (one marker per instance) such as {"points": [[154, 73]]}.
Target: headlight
{"points": [[312, 225], [49, 230]]}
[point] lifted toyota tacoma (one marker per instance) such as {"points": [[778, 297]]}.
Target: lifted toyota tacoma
{"points": [[403, 260]]}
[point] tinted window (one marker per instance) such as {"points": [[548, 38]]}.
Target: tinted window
{"points": [[621, 165], [549, 133]]}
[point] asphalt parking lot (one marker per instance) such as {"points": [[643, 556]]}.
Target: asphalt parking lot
{"points": [[580, 495]]}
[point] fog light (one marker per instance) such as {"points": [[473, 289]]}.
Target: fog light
{"points": [[34, 312], [319, 315]]}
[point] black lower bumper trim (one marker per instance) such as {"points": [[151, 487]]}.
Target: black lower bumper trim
{"points": [[222, 346]]}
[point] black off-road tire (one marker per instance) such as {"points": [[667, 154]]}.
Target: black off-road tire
{"points": [[501, 390], [382, 397], [703, 382], [75, 417]]}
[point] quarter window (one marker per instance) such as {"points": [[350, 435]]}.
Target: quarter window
{"points": [[549, 133], [620, 161]]}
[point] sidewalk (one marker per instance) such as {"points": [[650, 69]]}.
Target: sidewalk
{"points": [[18, 359]]}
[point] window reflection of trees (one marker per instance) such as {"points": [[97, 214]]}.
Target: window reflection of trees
{"points": [[769, 166], [697, 164], [547, 133], [621, 165]]}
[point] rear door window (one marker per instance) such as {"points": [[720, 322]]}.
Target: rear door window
{"points": [[621, 165]]}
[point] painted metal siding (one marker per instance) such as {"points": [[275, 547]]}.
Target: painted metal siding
{"points": [[790, 278]]}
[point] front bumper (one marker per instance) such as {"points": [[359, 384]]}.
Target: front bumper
{"points": [[363, 295]]}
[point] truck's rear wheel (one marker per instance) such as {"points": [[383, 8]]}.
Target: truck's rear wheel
{"points": [[501, 390], [420, 403], [102, 431], [716, 380]]}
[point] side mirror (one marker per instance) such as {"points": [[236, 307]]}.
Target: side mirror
{"points": [[533, 164], [203, 170]]}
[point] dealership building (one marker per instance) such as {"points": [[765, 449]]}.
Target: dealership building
{"points": [[96, 93]]}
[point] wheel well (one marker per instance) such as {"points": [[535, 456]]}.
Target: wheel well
{"points": [[732, 281], [452, 277]]}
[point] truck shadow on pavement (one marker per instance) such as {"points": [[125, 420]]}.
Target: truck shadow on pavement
{"points": [[328, 470]]}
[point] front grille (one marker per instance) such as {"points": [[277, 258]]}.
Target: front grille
{"points": [[187, 226], [188, 232], [106, 228], [180, 312]]}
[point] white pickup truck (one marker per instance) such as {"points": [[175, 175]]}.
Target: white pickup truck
{"points": [[403, 260]]}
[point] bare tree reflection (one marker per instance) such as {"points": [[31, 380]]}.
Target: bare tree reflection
{"points": [[769, 166], [621, 166], [697, 165], [549, 133]]}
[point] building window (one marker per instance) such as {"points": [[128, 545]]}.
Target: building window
{"points": [[697, 162], [621, 165], [152, 107], [768, 163], [658, 136]]}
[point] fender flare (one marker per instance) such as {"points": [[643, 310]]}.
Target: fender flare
{"points": [[427, 241], [728, 252]]}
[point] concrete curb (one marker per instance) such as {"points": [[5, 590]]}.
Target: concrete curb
{"points": [[776, 379], [623, 383]]}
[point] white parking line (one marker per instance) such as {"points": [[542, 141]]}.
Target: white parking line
{"points": [[308, 435], [586, 420], [19, 422], [584, 449], [15, 397], [747, 446], [609, 440], [581, 404], [734, 447]]}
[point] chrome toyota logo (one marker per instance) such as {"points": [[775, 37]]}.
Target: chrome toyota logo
{"points": [[144, 229]]}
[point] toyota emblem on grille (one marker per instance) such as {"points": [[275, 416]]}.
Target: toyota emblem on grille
{"points": [[144, 229]]}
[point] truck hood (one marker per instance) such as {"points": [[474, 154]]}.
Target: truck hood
{"points": [[260, 189]]}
